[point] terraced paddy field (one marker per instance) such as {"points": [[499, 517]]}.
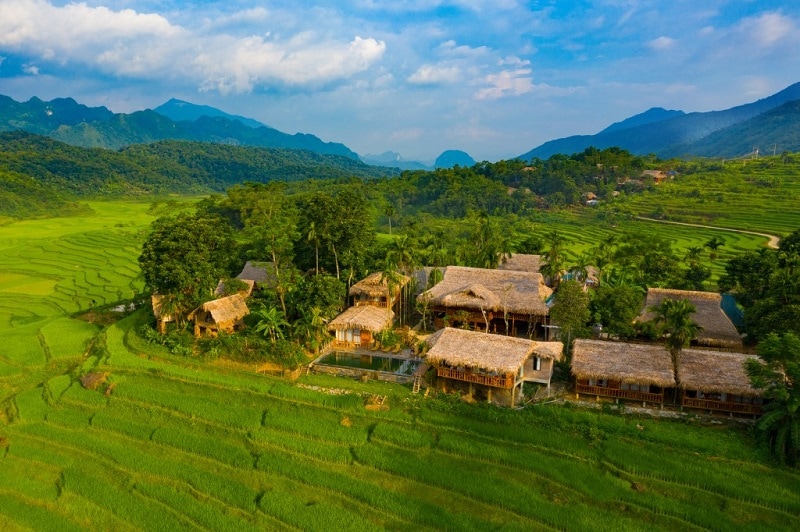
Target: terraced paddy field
{"points": [[182, 443], [757, 195]]}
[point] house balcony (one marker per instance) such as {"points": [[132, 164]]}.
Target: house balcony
{"points": [[495, 381], [722, 406], [633, 395]]}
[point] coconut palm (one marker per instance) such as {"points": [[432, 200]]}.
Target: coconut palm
{"points": [[673, 319]]}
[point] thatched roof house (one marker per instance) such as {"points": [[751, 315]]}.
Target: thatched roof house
{"points": [[260, 273], [715, 372], [162, 317], [369, 318], [640, 364], [224, 314], [356, 326], [375, 286], [487, 352], [515, 292], [718, 330], [521, 262]]}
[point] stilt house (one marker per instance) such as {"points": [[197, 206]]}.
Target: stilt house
{"points": [[490, 367]]}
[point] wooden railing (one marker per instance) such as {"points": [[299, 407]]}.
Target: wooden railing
{"points": [[477, 378], [634, 395], [369, 303], [722, 406]]}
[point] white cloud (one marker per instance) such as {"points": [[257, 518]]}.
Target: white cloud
{"points": [[505, 83], [435, 75], [661, 44], [768, 28], [32, 70], [148, 46]]}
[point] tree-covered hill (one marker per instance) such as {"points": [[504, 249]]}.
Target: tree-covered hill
{"points": [[40, 175], [96, 127]]}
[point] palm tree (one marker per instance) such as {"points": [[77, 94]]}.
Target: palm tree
{"points": [[271, 323], [313, 236], [713, 245], [310, 327], [673, 318]]}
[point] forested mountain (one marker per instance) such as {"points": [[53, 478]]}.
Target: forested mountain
{"points": [[675, 136], [96, 127], [39, 174]]}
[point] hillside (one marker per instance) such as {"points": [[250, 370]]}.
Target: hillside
{"points": [[181, 111], [96, 127], [673, 136], [40, 175]]}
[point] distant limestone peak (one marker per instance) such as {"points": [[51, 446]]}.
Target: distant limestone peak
{"points": [[451, 158]]}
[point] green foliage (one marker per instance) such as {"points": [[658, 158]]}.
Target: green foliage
{"points": [[616, 307], [570, 309], [779, 378]]}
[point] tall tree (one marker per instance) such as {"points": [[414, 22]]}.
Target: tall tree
{"points": [[570, 310], [673, 319], [185, 256], [779, 377]]}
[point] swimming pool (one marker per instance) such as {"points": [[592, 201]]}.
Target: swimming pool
{"points": [[377, 366]]}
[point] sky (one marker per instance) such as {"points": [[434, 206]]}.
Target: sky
{"points": [[492, 78]]}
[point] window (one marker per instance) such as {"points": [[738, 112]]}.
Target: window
{"points": [[537, 364]]}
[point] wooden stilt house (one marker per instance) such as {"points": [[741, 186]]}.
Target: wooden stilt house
{"points": [[357, 326], [718, 330], [494, 301], [717, 381], [634, 372], [225, 314], [488, 366]]}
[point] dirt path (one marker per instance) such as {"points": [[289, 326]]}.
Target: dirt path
{"points": [[772, 240]]}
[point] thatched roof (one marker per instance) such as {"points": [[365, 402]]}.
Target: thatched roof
{"points": [[521, 262], [487, 352], [220, 289], [496, 290], [375, 285], [715, 372], [227, 309], [261, 273], [631, 363], [718, 330], [366, 317]]}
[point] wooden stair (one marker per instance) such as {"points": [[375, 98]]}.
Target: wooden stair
{"points": [[419, 377]]}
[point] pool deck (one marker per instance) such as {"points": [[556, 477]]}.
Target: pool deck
{"points": [[404, 354]]}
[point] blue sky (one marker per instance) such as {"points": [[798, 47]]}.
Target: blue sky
{"points": [[493, 78]]}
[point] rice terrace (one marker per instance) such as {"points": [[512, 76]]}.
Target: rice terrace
{"points": [[175, 442]]}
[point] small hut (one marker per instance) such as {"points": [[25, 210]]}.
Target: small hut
{"points": [[717, 381], [490, 366], [497, 301], [224, 314], [521, 262], [718, 330], [373, 290], [637, 372], [162, 317], [356, 326], [262, 274]]}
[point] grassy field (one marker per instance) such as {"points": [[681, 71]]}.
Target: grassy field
{"points": [[174, 443]]}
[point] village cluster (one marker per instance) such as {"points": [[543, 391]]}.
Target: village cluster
{"points": [[492, 334]]}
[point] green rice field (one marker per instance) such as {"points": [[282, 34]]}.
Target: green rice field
{"points": [[182, 443]]}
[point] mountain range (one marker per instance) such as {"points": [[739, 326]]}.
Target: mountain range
{"points": [[770, 123]]}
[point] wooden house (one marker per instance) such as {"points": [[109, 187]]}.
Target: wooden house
{"points": [[490, 366], [495, 301], [717, 381], [220, 315], [718, 330], [162, 316], [357, 326], [373, 290], [635, 372]]}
